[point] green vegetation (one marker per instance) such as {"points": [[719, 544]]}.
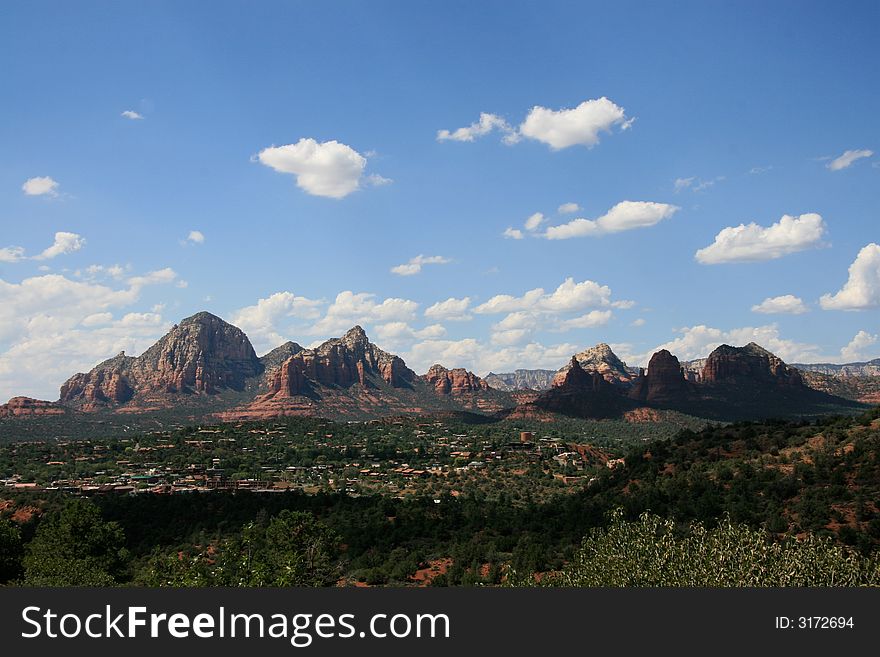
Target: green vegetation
{"points": [[794, 499], [653, 551]]}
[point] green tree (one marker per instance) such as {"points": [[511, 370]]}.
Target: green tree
{"points": [[10, 551], [75, 547]]}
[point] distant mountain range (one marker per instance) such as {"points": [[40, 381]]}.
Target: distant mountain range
{"points": [[205, 367]]}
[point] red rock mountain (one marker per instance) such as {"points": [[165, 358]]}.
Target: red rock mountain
{"points": [[340, 362], [201, 355], [753, 363], [27, 407], [663, 382], [453, 382], [599, 359]]}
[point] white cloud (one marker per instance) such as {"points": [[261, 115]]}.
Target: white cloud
{"points": [[592, 319], [52, 326], [64, 243], [638, 322], [157, 277], [787, 304], [131, 114], [329, 168], [568, 208], [862, 289], [196, 237], [40, 186], [351, 308], [11, 254], [571, 127], [394, 335], [848, 159], [568, 297], [857, 349], [534, 221], [626, 215], [414, 266], [486, 124], [263, 321], [698, 341], [751, 243], [760, 170], [453, 310], [377, 180], [513, 233], [683, 183], [482, 358]]}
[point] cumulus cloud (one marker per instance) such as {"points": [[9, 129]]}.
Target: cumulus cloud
{"points": [[579, 126], [638, 322], [11, 254], [862, 289], [267, 322], [848, 159], [787, 304], [751, 243], [350, 308], [131, 114], [486, 124], [698, 341], [592, 319], [40, 186], [568, 208], [52, 326], [513, 233], [195, 237], [331, 169], [393, 335], [683, 183], [534, 221], [482, 358], [568, 297], [453, 310], [414, 266], [64, 243], [860, 348], [626, 215]]}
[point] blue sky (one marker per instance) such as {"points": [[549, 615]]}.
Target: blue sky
{"points": [[277, 161]]}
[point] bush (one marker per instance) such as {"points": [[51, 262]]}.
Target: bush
{"points": [[652, 552]]}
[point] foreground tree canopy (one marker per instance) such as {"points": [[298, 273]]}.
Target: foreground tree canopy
{"points": [[653, 551]]}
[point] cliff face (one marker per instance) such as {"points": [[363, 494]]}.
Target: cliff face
{"points": [[521, 380], [453, 382], [664, 381], [23, 407], [600, 359], [202, 354], [340, 362], [752, 363]]}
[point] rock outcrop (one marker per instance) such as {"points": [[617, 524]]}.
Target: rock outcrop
{"points": [[663, 382], [603, 360], [750, 364], [341, 363], [457, 381], [24, 407], [521, 380], [202, 354]]}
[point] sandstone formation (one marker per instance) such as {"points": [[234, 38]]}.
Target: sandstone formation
{"points": [[202, 354], [521, 380], [342, 363], [23, 407], [453, 382], [663, 382], [603, 360], [751, 363]]}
